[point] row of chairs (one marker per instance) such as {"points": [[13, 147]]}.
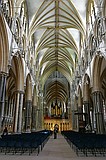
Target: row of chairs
{"points": [[86, 144], [24, 142]]}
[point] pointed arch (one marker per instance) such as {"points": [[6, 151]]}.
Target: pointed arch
{"points": [[89, 9], [96, 71], [4, 45], [79, 96], [28, 87], [18, 68]]}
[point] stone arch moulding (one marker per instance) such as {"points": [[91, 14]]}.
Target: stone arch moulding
{"points": [[28, 87], [96, 72], [103, 76], [17, 63], [79, 93], [4, 46]]}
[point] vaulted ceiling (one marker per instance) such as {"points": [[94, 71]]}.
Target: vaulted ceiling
{"points": [[58, 27]]}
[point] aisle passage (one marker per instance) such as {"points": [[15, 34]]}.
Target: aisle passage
{"points": [[57, 149]]}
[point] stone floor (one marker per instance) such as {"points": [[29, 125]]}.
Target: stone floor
{"points": [[55, 149]]}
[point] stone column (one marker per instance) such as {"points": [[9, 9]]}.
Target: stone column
{"points": [[87, 114], [3, 77], [40, 114], [86, 98], [28, 112], [37, 118], [18, 112], [34, 109], [74, 109], [6, 108], [98, 111], [33, 124], [12, 103], [80, 109], [41, 119], [70, 113], [17, 95], [80, 114], [9, 106]]}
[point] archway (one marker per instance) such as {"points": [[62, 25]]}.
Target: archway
{"points": [[99, 88], [4, 46], [4, 52], [14, 95]]}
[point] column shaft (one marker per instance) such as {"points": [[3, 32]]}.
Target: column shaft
{"points": [[28, 114], [33, 125], [20, 113], [2, 97], [16, 112], [87, 113], [98, 111]]}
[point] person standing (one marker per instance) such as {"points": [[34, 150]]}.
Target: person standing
{"points": [[55, 131], [5, 131]]}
